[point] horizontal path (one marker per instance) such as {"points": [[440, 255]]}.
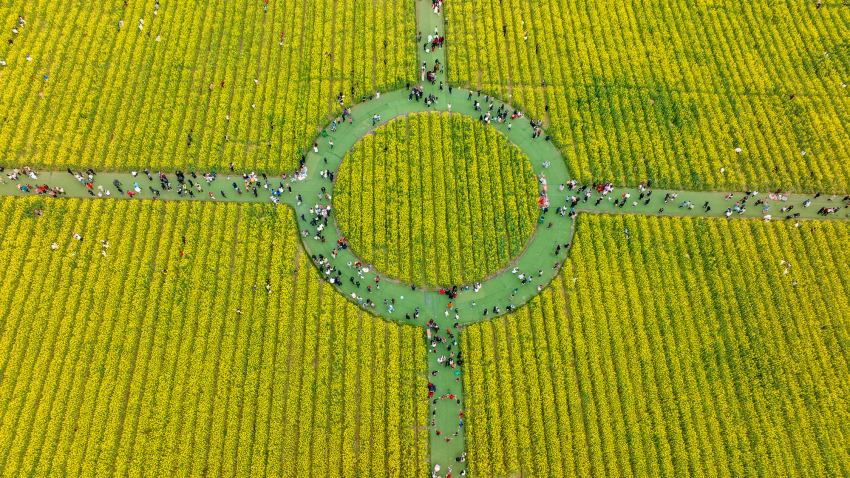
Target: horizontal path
{"points": [[223, 183]]}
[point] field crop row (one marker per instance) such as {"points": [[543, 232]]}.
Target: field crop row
{"points": [[699, 348], [171, 359], [669, 90], [249, 87]]}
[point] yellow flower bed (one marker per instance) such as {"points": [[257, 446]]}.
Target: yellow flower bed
{"points": [[670, 89], [122, 98], [436, 199], [700, 347], [144, 361]]}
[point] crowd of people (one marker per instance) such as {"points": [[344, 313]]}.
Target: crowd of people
{"points": [[22, 184], [437, 6], [182, 184], [433, 41], [443, 349], [766, 204]]}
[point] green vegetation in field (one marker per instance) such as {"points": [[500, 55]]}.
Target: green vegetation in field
{"points": [[155, 357], [436, 199], [699, 347]]}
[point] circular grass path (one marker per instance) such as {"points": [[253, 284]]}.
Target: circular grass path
{"points": [[396, 300], [537, 258]]}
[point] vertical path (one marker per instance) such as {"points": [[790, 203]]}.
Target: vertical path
{"points": [[426, 23], [445, 405]]}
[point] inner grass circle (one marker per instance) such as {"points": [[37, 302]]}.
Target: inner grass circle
{"points": [[436, 199]]}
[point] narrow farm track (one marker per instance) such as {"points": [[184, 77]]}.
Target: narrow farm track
{"points": [[394, 300]]}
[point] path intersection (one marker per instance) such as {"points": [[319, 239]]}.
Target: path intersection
{"points": [[441, 313]]}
